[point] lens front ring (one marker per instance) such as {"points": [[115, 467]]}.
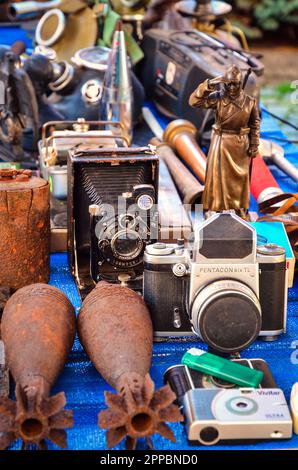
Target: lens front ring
{"points": [[226, 314], [127, 244]]}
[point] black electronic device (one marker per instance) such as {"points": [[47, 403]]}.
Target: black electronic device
{"points": [[177, 61]]}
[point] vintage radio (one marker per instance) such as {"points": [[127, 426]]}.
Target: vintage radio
{"points": [[177, 61]]}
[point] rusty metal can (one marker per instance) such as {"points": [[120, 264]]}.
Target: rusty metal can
{"points": [[24, 229]]}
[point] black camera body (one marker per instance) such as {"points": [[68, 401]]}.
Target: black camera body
{"points": [[112, 197], [224, 289], [177, 61], [118, 240]]}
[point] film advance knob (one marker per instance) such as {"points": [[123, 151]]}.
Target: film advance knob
{"points": [[179, 269]]}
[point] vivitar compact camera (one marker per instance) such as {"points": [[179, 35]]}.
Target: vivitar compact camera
{"points": [[112, 197], [216, 410], [236, 414], [224, 288]]}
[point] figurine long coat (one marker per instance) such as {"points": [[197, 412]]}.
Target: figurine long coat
{"points": [[236, 129]]}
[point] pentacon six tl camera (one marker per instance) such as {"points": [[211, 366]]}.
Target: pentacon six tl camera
{"points": [[224, 288]]}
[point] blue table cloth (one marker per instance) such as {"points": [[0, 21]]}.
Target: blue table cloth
{"points": [[84, 387]]}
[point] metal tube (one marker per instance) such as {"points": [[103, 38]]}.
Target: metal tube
{"points": [[188, 186], [22, 10], [180, 135], [276, 154]]}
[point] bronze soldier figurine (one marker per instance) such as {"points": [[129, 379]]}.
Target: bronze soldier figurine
{"points": [[234, 142]]}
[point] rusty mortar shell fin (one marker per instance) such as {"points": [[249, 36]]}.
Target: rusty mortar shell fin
{"points": [[34, 419], [138, 411], [38, 329]]}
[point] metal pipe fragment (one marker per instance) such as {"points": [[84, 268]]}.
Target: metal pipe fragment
{"points": [[115, 330], [180, 134], [38, 329], [24, 10], [189, 187]]}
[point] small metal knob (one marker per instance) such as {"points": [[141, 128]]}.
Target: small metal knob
{"points": [[176, 318], [94, 210], [123, 278], [179, 269]]}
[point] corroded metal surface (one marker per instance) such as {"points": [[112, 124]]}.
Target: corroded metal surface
{"points": [[116, 331], [24, 229], [38, 329], [110, 316]]}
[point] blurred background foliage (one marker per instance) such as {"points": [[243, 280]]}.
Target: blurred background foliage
{"points": [[259, 18]]}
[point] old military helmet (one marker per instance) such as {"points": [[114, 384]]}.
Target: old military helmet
{"points": [[233, 74]]}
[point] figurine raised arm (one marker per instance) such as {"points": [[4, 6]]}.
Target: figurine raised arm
{"points": [[234, 141]]}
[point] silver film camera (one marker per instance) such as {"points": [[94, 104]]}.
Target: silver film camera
{"points": [[225, 288], [238, 414]]}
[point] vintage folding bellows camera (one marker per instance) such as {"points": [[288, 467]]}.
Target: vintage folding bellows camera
{"points": [[224, 288], [177, 61], [112, 195]]}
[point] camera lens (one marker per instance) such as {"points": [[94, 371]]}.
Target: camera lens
{"points": [[226, 314], [127, 244], [242, 406], [209, 435]]}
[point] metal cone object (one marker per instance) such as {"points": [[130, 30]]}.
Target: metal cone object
{"points": [[117, 95]]}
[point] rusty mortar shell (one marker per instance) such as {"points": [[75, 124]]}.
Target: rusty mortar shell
{"points": [[24, 228], [38, 329], [189, 187], [115, 330], [181, 135]]}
